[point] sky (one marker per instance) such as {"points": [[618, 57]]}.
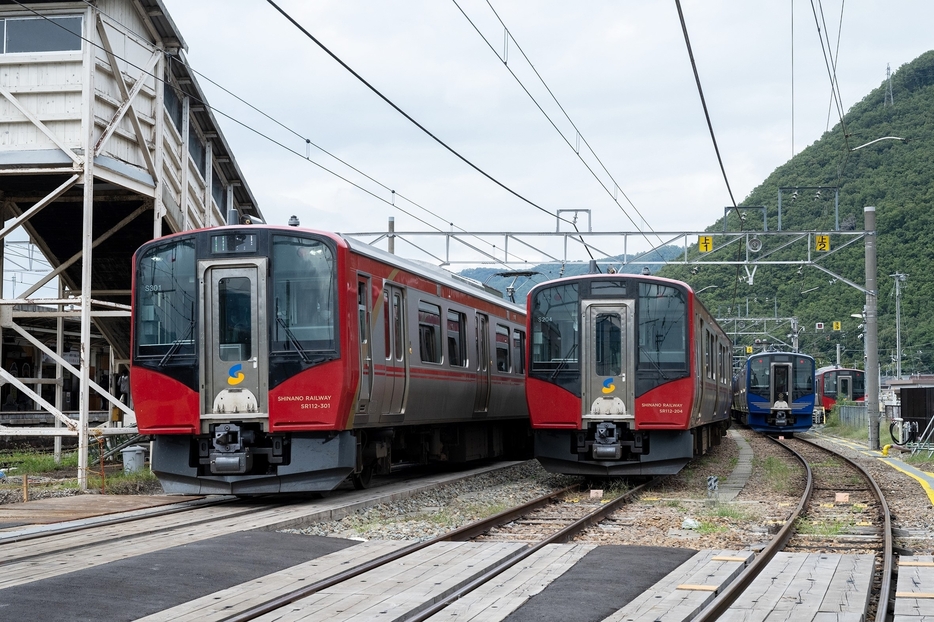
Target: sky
{"points": [[620, 70]]}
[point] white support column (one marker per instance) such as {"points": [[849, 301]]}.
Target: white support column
{"points": [[158, 208], [183, 158], [59, 377], [87, 120]]}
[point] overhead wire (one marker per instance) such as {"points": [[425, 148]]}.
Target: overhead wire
{"points": [[275, 142], [713, 138], [408, 117], [831, 70], [510, 37]]}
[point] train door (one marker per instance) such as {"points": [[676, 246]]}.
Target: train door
{"points": [[234, 348], [607, 360], [392, 403], [482, 396], [781, 381], [844, 389], [365, 339]]}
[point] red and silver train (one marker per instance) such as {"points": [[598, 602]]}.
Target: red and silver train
{"points": [[628, 375], [837, 384], [277, 359]]}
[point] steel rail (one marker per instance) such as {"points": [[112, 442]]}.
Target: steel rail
{"points": [[731, 592], [561, 536], [465, 532], [882, 608], [722, 602]]}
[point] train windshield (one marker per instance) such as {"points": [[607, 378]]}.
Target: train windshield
{"points": [[662, 328], [165, 300], [304, 295], [803, 384], [555, 339], [760, 370]]}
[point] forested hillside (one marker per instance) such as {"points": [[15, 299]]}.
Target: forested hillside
{"points": [[894, 176]]}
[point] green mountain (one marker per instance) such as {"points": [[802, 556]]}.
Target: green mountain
{"points": [[894, 176]]}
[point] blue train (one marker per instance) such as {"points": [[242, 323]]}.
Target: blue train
{"points": [[774, 392]]}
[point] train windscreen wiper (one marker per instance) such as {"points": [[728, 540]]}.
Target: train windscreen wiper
{"points": [[648, 357], [178, 342], [293, 340], [564, 361]]}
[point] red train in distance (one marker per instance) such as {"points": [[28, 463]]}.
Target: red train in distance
{"points": [[628, 375], [277, 359], [837, 384]]}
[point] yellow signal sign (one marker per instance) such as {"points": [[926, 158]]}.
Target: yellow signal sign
{"points": [[822, 243], [748, 349], [705, 243], [836, 326]]}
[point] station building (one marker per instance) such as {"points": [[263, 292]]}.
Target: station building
{"points": [[106, 142]]}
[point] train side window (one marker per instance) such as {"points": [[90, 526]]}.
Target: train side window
{"points": [[502, 348], [518, 348], [457, 339], [429, 332]]}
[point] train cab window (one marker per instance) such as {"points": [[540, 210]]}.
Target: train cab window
{"points": [[502, 348], [429, 332], [663, 328], [304, 297], [457, 339], [518, 351], [803, 381], [554, 328], [166, 283]]}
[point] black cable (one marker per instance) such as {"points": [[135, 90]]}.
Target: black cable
{"points": [[161, 80], [713, 137], [411, 120], [831, 73], [700, 91], [563, 111]]}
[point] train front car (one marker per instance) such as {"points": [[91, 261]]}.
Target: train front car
{"points": [[629, 375], [276, 359], [838, 384], [771, 377]]}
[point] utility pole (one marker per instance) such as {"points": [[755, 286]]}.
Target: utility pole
{"points": [[872, 330], [889, 100], [899, 279]]}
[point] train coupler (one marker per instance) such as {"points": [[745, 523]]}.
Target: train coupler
{"points": [[606, 445]]}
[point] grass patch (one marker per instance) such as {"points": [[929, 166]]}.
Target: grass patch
{"points": [[706, 528], [731, 512], [777, 473], [31, 462], [836, 427], [823, 528], [138, 482], [920, 460]]}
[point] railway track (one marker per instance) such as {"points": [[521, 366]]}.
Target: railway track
{"points": [[842, 510], [514, 541]]}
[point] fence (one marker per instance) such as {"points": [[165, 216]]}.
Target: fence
{"points": [[853, 415]]}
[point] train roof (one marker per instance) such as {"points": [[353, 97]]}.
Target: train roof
{"points": [[432, 272], [822, 370], [776, 352], [420, 268], [616, 275]]}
